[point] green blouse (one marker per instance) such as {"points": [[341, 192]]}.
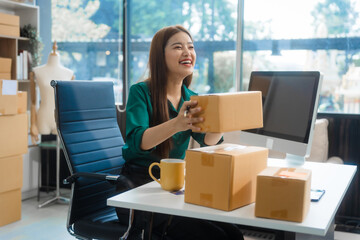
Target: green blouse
{"points": [[138, 115]]}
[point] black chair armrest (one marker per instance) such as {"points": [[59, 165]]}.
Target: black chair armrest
{"points": [[99, 176], [113, 179]]}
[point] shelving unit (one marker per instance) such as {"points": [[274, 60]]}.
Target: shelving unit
{"points": [[9, 46]]}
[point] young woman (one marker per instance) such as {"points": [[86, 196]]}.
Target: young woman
{"points": [[159, 123]]}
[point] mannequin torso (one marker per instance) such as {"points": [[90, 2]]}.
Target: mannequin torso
{"points": [[43, 120], [52, 70]]}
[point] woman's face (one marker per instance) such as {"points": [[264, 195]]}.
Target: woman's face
{"points": [[180, 56]]}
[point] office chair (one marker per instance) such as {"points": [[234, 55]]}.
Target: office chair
{"points": [[86, 120], [320, 144]]}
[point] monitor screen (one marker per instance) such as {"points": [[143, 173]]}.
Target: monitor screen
{"points": [[289, 110]]}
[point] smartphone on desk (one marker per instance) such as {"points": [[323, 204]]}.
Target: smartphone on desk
{"points": [[316, 194]]}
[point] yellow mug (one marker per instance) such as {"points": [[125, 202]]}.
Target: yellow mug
{"points": [[172, 173]]}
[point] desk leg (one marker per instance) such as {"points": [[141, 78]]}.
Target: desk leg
{"points": [[57, 197], [149, 216], [131, 219]]}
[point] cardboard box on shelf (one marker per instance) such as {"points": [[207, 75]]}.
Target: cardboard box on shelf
{"points": [[14, 135], [225, 112], [13, 31], [9, 19], [8, 97], [11, 173], [283, 193], [21, 102], [223, 176], [10, 206], [5, 65], [6, 76]]}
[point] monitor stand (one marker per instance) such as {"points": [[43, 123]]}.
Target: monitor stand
{"points": [[294, 160]]}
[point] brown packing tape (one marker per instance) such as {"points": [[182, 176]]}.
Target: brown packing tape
{"points": [[207, 160], [279, 182], [206, 199], [288, 174], [291, 173], [279, 214], [22, 102], [284, 169], [278, 171]]}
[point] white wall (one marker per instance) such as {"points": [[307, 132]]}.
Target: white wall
{"points": [[30, 172]]}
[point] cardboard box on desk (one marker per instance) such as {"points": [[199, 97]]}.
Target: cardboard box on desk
{"points": [[14, 135], [227, 112], [8, 97], [9, 25], [10, 206], [283, 193], [223, 176]]}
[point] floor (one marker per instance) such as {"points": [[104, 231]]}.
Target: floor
{"points": [[49, 222], [44, 223]]}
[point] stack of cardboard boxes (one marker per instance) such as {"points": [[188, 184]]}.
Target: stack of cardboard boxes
{"points": [[9, 25], [224, 176], [13, 144], [229, 176]]}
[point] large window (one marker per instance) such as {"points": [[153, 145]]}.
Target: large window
{"points": [[307, 35], [213, 26], [92, 46], [321, 35], [89, 38]]}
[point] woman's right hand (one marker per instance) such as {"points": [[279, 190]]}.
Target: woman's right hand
{"points": [[186, 119]]}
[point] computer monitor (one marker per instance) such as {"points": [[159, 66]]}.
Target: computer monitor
{"points": [[290, 102]]}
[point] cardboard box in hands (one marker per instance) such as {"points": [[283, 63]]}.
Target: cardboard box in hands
{"points": [[225, 112]]}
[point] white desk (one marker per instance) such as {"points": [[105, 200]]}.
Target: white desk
{"points": [[335, 179]]}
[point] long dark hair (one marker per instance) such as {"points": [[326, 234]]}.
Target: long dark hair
{"points": [[158, 81]]}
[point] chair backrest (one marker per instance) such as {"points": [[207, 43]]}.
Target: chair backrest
{"points": [[85, 114], [320, 143]]}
